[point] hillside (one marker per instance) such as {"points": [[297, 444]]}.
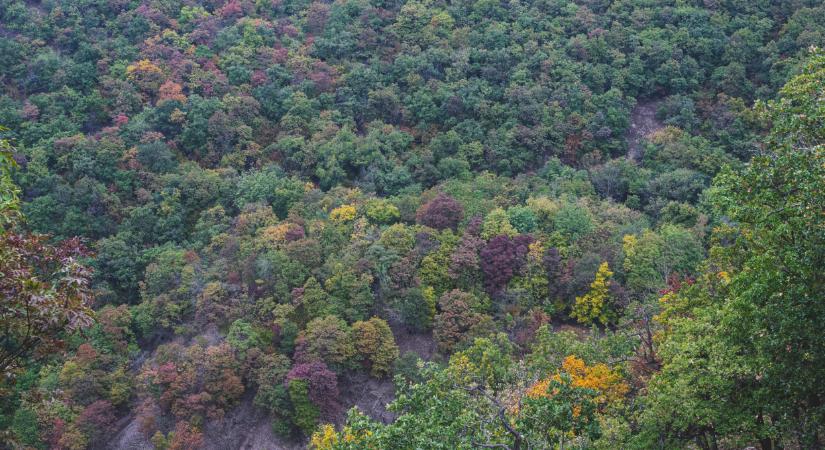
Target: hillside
{"points": [[375, 224]]}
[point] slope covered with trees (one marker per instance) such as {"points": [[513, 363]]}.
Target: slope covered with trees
{"points": [[215, 206]]}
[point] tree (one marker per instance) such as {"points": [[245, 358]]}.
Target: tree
{"points": [[556, 409], [593, 305], [96, 419], [319, 384], [554, 270], [441, 212], [350, 293], [273, 393], [375, 345], [417, 307], [326, 339], [572, 221], [486, 362], [9, 202], [146, 75], [455, 319], [464, 262], [242, 336], [501, 259], [522, 218], [47, 296], [314, 300], [497, 223], [382, 211], [739, 356]]}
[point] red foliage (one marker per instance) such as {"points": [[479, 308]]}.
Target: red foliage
{"points": [[322, 75], [85, 354], [194, 381], [317, 16], [97, 418], [45, 292], [441, 212], [465, 257], [502, 258], [259, 78], [294, 233], [121, 119], [231, 10], [323, 385], [403, 274], [54, 435], [171, 91], [115, 322], [186, 437], [454, 320]]}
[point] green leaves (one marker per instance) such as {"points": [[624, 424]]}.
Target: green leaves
{"points": [[742, 353], [9, 203]]}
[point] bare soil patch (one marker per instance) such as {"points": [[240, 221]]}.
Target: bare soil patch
{"points": [[642, 122]]}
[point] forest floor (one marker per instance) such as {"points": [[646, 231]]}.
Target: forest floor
{"points": [[642, 122]]}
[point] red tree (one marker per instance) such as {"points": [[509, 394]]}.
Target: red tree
{"points": [[323, 385], [502, 258], [441, 212], [45, 291]]}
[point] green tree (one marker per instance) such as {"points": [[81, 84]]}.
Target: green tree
{"points": [[375, 345], [9, 202], [305, 414], [741, 358]]}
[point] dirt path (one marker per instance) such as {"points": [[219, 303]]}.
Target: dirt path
{"points": [[642, 122]]}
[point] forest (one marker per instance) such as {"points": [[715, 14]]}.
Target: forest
{"points": [[412, 224]]}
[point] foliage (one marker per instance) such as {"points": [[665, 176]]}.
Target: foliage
{"points": [[300, 187], [593, 306], [375, 345], [313, 392], [501, 259], [456, 319], [46, 293], [9, 192], [748, 321], [441, 212]]}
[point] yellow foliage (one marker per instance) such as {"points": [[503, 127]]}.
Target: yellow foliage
{"points": [[539, 389], [324, 439], [177, 116], [629, 242], [535, 252], [343, 213], [461, 369], [724, 276], [274, 234], [598, 377], [591, 306], [608, 383], [544, 207], [350, 437], [429, 296], [142, 68], [497, 223]]}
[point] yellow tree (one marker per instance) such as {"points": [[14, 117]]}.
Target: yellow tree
{"points": [[592, 306], [609, 385]]}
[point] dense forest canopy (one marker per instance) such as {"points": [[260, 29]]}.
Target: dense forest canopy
{"points": [[385, 224]]}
